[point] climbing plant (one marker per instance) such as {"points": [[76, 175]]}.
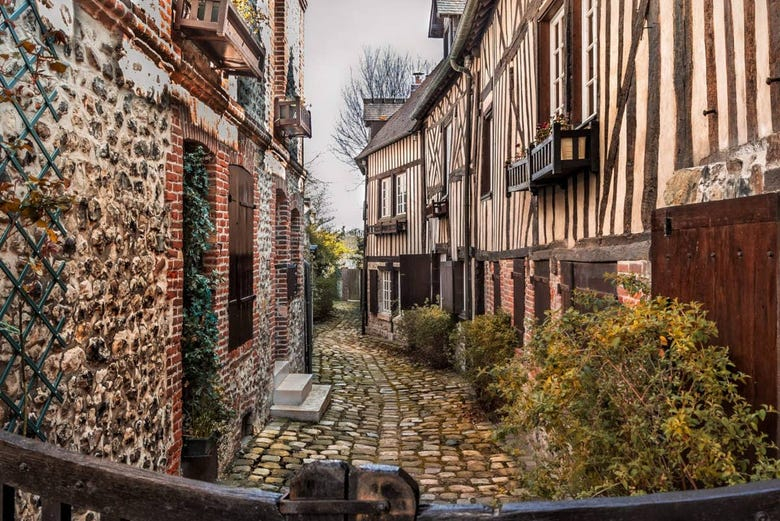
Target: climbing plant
{"points": [[205, 411], [33, 197]]}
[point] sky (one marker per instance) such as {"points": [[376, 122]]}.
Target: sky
{"points": [[336, 31]]}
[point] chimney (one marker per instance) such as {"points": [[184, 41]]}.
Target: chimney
{"points": [[418, 79], [377, 111]]}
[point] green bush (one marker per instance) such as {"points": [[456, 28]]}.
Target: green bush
{"points": [[488, 342], [325, 292], [632, 399], [426, 330]]}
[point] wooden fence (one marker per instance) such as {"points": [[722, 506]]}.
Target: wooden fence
{"points": [[323, 491]]}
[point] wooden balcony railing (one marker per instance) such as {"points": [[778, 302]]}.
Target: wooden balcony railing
{"points": [[437, 209], [222, 33], [291, 118], [564, 153], [322, 490], [518, 175]]}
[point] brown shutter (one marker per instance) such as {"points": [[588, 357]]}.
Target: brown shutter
{"points": [[241, 294], [394, 290], [518, 283], [435, 280], [541, 282], [415, 272], [567, 283], [479, 288], [496, 286], [373, 291]]}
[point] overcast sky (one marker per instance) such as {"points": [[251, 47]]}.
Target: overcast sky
{"points": [[336, 31]]}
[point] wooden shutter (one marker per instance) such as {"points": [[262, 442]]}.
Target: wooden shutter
{"points": [[566, 285], [415, 273], [373, 291], [447, 296], [394, 290], [496, 286], [518, 301], [541, 282], [435, 279], [241, 293], [479, 288]]}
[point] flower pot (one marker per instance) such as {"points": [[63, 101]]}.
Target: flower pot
{"points": [[199, 459]]}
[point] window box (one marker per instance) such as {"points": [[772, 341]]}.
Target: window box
{"points": [[563, 153], [219, 30], [518, 175], [291, 118], [437, 209], [388, 227]]}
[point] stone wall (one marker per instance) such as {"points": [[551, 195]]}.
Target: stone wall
{"points": [[750, 169]]}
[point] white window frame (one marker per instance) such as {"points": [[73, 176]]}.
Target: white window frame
{"points": [[385, 291], [386, 197], [558, 63], [590, 54], [400, 194]]}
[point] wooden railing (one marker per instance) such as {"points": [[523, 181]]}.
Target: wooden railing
{"points": [[321, 491], [518, 175]]}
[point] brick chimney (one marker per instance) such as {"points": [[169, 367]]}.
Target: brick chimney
{"points": [[418, 79]]}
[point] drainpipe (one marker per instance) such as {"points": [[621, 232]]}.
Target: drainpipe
{"points": [[466, 70]]}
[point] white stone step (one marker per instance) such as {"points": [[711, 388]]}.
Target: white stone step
{"points": [[293, 390], [281, 370], [311, 410]]}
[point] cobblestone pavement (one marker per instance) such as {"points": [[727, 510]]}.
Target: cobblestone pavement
{"points": [[385, 409]]}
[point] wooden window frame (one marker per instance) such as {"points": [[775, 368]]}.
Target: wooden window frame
{"points": [[557, 48], [386, 197], [589, 96], [401, 195], [446, 164], [487, 162], [385, 291]]}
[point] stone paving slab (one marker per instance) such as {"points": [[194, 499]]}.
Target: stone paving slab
{"points": [[386, 409]]}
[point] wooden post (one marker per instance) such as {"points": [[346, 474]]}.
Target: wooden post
{"points": [[7, 503], [54, 510]]}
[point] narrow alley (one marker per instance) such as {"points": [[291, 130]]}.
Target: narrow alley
{"points": [[388, 410]]}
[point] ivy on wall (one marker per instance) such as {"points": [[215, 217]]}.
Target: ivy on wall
{"points": [[205, 411]]}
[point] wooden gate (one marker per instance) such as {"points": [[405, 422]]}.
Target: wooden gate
{"points": [[724, 255], [350, 284], [321, 491]]}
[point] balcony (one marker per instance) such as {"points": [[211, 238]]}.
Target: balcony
{"points": [[388, 228], [291, 118], [563, 153], [219, 30], [437, 209], [518, 175]]}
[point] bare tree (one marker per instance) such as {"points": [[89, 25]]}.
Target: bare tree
{"points": [[381, 73]]}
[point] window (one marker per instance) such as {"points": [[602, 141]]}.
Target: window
{"points": [[386, 197], [400, 194], [590, 92], [241, 294], [385, 292], [447, 159], [486, 165], [557, 63]]}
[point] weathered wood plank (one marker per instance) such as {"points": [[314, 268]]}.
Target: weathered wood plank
{"points": [[52, 510], [124, 491]]}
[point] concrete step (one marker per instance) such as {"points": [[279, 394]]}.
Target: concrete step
{"points": [[311, 410], [293, 390], [281, 370]]}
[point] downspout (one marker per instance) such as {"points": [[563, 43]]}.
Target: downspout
{"points": [[466, 70], [364, 276]]}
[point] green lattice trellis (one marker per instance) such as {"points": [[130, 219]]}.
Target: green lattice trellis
{"points": [[25, 304]]}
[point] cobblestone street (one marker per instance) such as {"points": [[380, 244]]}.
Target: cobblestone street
{"points": [[385, 409]]}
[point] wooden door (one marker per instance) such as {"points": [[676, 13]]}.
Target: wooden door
{"points": [[724, 255], [415, 280]]}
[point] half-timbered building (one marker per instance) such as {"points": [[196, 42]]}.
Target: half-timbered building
{"points": [[554, 130]]}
